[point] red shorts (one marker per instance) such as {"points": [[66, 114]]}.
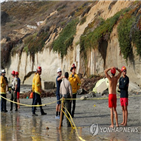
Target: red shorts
{"points": [[18, 95], [112, 100], [124, 101]]}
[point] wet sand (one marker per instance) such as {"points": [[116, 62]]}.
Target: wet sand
{"points": [[21, 125]]}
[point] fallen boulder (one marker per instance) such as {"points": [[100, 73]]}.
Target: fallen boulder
{"points": [[48, 85]]}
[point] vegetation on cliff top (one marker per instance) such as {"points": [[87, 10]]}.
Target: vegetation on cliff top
{"points": [[129, 32], [65, 38], [92, 37]]}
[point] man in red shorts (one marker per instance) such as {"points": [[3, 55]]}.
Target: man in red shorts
{"points": [[112, 93], [123, 86]]}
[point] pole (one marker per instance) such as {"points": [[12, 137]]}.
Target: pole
{"points": [[62, 105]]}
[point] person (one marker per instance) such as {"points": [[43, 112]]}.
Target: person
{"points": [[18, 88], [3, 74], [3, 85], [112, 92], [75, 84], [14, 91], [58, 82], [66, 92], [38, 89], [123, 86], [33, 87]]}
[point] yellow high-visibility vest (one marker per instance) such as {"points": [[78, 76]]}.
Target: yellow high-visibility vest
{"points": [[33, 83], [38, 86], [2, 85], [75, 82]]}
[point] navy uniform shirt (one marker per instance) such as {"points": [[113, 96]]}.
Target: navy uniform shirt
{"points": [[18, 84], [58, 85], [123, 86]]}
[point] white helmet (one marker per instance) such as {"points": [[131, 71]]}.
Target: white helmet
{"points": [[3, 71], [58, 70]]}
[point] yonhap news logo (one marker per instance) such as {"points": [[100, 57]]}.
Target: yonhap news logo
{"points": [[95, 129]]}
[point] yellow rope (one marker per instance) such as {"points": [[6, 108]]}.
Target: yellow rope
{"points": [[29, 105], [74, 125]]}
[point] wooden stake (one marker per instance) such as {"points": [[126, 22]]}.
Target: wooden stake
{"points": [[62, 105]]}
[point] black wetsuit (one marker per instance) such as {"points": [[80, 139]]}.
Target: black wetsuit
{"points": [[123, 86]]}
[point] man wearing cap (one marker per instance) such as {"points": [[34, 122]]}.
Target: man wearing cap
{"points": [[112, 92], [75, 84], [18, 88], [3, 85], [14, 91], [58, 82], [123, 86], [38, 89], [66, 92]]}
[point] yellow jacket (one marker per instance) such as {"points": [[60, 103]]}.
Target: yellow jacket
{"points": [[75, 83], [33, 83], [38, 86], [2, 85]]}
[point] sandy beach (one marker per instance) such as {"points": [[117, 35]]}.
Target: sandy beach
{"points": [[22, 125]]}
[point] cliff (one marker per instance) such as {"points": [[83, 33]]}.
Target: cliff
{"points": [[94, 35]]}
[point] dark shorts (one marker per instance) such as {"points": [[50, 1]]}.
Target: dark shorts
{"points": [[58, 99]]}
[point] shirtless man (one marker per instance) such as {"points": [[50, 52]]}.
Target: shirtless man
{"points": [[112, 93]]}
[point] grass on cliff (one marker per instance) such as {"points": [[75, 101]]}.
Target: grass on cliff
{"points": [[35, 43], [65, 39], [91, 39], [129, 32]]}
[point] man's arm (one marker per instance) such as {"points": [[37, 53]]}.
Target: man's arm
{"points": [[118, 76], [106, 73], [60, 78]]}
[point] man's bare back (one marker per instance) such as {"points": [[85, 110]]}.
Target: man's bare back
{"points": [[112, 100], [112, 80]]}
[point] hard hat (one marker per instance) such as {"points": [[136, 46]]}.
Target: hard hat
{"points": [[16, 73], [113, 71], [3, 71], [39, 68], [13, 73], [59, 70], [123, 68]]}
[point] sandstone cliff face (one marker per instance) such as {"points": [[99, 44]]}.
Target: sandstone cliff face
{"points": [[50, 60]]}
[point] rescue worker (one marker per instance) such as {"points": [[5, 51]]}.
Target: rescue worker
{"points": [[3, 74], [18, 88], [58, 82], [66, 92], [75, 84], [3, 85], [38, 89], [14, 91], [33, 88]]}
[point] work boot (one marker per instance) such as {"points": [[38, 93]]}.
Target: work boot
{"points": [[5, 111], [16, 110], [34, 115], [43, 113]]}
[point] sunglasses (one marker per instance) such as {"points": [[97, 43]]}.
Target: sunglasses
{"points": [[124, 70]]}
